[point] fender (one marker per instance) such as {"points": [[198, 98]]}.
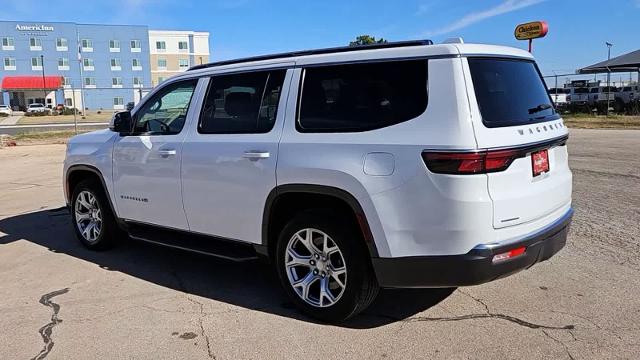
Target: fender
{"points": [[97, 172], [319, 190]]}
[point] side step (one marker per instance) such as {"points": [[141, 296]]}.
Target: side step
{"points": [[198, 243]]}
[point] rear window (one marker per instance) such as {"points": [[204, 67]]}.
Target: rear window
{"points": [[361, 97], [581, 91], [628, 88], [510, 92]]}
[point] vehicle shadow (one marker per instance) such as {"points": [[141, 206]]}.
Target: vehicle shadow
{"points": [[252, 285]]}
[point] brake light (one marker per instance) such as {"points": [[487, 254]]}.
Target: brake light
{"points": [[465, 163]]}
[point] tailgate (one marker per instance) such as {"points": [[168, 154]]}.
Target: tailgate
{"points": [[516, 116], [520, 196]]}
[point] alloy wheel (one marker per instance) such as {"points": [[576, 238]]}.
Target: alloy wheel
{"points": [[315, 267], [88, 216]]}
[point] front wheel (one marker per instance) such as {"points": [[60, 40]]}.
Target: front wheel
{"points": [[93, 220], [324, 267]]}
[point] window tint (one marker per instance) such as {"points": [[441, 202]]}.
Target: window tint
{"points": [[510, 92], [241, 103], [166, 112], [360, 97]]}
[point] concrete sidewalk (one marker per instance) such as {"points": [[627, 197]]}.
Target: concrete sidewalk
{"points": [[11, 120]]}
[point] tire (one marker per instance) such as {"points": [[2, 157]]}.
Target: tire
{"points": [[359, 285], [89, 199]]}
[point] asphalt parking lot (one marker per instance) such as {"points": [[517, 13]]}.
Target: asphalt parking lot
{"points": [[61, 301]]}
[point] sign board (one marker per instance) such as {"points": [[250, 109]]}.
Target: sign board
{"points": [[531, 30]]}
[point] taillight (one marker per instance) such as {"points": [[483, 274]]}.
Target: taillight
{"points": [[568, 97], [465, 163]]}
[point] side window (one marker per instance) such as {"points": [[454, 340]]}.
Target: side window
{"points": [[361, 97], [166, 112], [241, 103]]}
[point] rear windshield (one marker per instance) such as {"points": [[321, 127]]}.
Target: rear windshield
{"points": [[581, 91], [510, 92]]}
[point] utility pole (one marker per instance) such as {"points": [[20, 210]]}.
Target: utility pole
{"points": [[44, 84], [609, 45], [81, 74]]}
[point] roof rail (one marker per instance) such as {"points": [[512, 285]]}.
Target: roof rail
{"points": [[332, 50]]}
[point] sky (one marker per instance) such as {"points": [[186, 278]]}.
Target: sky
{"points": [[578, 29]]}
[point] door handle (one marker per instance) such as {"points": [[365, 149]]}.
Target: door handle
{"points": [[167, 152], [256, 155]]}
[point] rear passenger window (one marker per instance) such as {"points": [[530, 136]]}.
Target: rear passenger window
{"points": [[361, 97], [241, 103]]}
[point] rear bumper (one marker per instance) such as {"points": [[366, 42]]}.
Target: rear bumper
{"points": [[476, 266]]}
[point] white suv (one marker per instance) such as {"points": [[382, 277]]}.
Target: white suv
{"points": [[395, 165]]}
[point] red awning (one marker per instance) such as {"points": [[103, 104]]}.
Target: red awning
{"points": [[31, 82]]}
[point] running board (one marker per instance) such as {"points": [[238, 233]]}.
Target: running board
{"points": [[198, 243]]}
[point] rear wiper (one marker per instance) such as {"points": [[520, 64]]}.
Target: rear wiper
{"points": [[539, 108]]}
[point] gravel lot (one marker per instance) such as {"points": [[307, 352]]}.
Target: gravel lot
{"points": [[61, 301]]}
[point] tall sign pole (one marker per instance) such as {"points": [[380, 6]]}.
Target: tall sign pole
{"points": [[531, 30]]}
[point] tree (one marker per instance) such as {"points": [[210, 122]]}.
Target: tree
{"points": [[367, 40]]}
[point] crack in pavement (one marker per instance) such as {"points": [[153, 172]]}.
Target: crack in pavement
{"points": [[202, 332], [566, 348], [182, 286], [47, 330]]}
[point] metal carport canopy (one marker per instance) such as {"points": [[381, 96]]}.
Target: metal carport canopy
{"points": [[624, 63]]}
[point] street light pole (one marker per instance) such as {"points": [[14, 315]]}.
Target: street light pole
{"points": [[44, 84], [609, 45]]}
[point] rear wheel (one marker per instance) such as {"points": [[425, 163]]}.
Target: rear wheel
{"points": [[93, 220], [324, 268]]}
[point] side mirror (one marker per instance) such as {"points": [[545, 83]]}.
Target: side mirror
{"points": [[121, 122]]}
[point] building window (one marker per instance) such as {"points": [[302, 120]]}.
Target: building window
{"points": [[135, 46], [35, 44], [136, 64], [183, 64], [115, 64], [162, 63], [161, 46], [137, 81], [90, 81], [160, 79], [63, 63], [68, 102], [87, 45], [114, 45], [66, 81], [118, 102], [9, 63], [36, 63], [183, 46], [116, 82], [7, 43], [87, 64], [62, 44]]}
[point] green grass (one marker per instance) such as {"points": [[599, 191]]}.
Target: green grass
{"points": [[64, 119], [46, 136], [602, 122]]}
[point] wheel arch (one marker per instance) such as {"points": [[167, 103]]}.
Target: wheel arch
{"points": [[272, 223], [76, 173]]}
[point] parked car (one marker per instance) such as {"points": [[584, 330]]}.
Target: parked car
{"points": [[559, 97], [628, 94], [578, 97], [36, 107], [401, 165], [601, 95], [6, 109]]}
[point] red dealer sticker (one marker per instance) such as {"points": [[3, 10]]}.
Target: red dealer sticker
{"points": [[540, 162]]}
